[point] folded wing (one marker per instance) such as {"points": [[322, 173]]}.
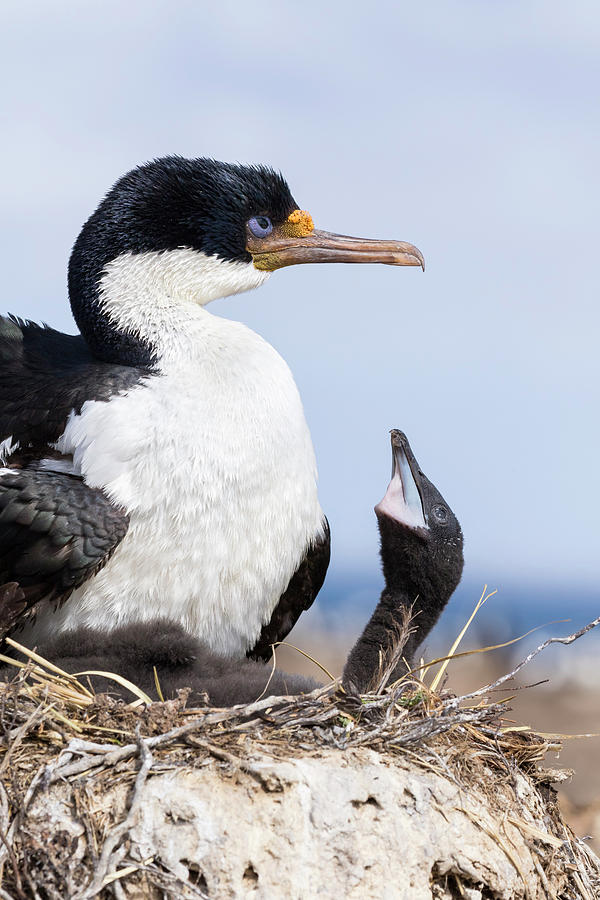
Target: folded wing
{"points": [[55, 533]]}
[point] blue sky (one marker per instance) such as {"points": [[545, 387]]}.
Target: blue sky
{"points": [[468, 128]]}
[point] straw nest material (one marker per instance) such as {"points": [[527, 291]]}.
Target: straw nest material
{"points": [[61, 740]]}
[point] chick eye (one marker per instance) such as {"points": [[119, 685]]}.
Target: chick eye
{"points": [[260, 226], [440, 513]]}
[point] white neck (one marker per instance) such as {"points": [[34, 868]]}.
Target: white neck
{"points": [[157, 296]]}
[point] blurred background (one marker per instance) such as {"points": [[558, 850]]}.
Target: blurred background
{"points": [[470, 129]]}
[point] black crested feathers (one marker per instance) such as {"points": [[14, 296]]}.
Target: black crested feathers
{"points": [[164, 205]]}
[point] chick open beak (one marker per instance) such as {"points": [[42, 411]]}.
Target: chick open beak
{"points": [[402, 500], [296, 241]]}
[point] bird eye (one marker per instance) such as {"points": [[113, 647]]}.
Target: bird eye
{"points": [[440, 513], [260, 226]]}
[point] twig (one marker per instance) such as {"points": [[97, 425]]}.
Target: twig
{"points": [[543, 879], [487, 829], [307, 656], [20, 734], [270, 781], [13, 862], [456, 701], [118, 890], [434, 725], [100, 755], [108, 857], [483, 599], [4, 895], [270, 679], [169, 883], [35, 782], [389, 660], [580, 876]]}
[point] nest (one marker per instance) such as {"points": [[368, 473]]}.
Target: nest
{"points": [[57, 731]]}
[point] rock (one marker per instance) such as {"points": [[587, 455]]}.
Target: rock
{"points": [[354, 824]]}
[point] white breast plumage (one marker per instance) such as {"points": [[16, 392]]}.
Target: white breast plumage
{"points": [[213, 461]]}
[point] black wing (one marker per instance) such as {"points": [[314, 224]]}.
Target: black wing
{"points": [[44, 374], [55, 533], [300, 593]]}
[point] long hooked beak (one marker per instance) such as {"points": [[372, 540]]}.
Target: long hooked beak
{"points": [[295, 242]]}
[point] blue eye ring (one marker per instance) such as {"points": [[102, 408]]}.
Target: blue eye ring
{"points": [[260, 226]]}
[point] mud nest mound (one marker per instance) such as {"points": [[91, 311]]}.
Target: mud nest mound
{"points": [[87, 783]]}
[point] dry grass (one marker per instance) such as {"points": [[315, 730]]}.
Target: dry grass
{"points": [[55, 729]]}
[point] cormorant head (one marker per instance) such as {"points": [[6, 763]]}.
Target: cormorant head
{"points": [[186, 231], [421, 538]]}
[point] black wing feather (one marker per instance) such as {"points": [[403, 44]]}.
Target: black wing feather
{"points": [[55, 533], [44, 374], [299, 595]]}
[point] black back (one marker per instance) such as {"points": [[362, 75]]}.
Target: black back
{"points": [[44, 375]]}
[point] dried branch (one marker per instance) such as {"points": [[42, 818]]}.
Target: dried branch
{"points": [[110, 856], [456, 701], [391, 659]]}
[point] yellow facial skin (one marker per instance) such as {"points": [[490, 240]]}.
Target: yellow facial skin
{"points": [[297, 241], [298, 224]]}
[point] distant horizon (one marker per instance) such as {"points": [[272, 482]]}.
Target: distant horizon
{"points": [[515, 603]]}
